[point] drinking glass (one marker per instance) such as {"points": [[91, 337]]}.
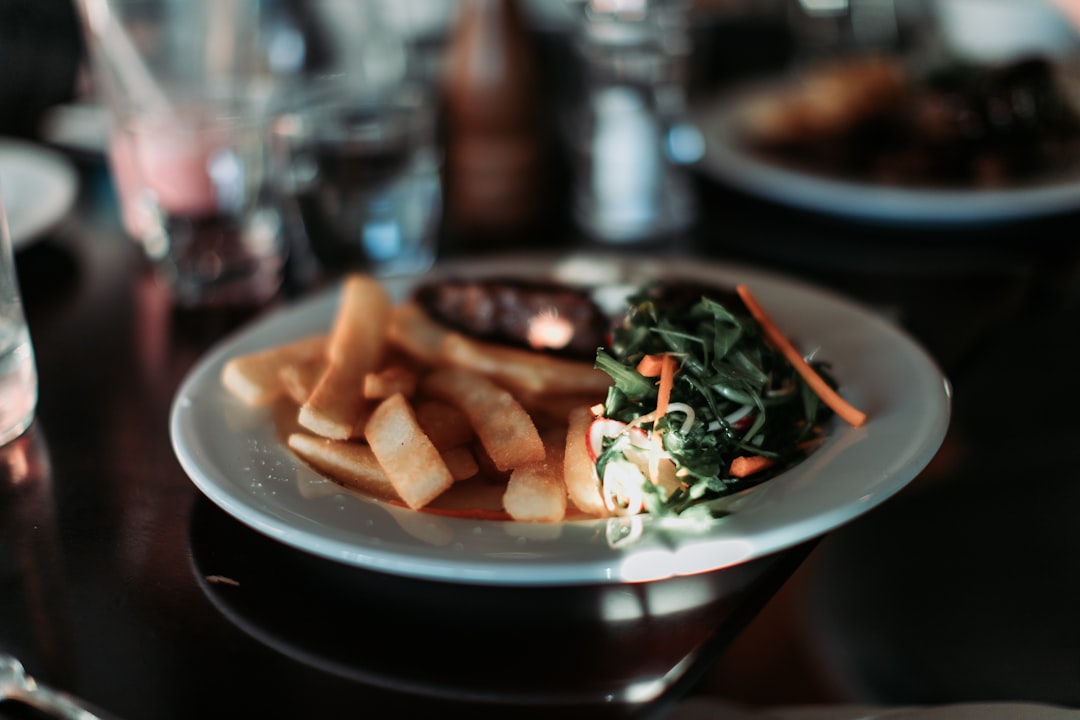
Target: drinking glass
{"points": [[189, 87], [631, 137], [18, 371], [356, 163]]}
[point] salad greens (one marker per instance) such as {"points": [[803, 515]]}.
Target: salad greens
{"points": [[732, 397]]}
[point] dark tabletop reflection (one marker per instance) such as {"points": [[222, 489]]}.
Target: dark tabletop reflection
{"points": [[595, 651], [980, 594], [32, 563]]}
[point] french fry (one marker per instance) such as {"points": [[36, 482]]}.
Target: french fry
{"points": [[300, 378], [500, 422], [354, 348], [487, 466], [413, 464], [523, 370], [360, 426], [536, 492], [415, 332], [443, 423], [394, 379], [359, 331], [255, 379], [337, 403], [460, 462], [579, 472], [397, 406], [350, 464]]}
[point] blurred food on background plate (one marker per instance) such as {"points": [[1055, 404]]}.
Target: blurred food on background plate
{"points": [[957, 123]]}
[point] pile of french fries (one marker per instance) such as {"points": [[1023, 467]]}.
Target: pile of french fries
{"points": [[397, 406]]}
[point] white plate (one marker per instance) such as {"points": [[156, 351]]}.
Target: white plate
{"points": [[38, 186], [83, 127], [233, 455], [728, 159]]}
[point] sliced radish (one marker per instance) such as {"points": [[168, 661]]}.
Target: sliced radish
{"points": [[622, 488], [601, 428]]}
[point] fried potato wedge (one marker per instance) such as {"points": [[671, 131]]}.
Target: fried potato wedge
{"points": [[359, 332], [502, 425], [524, 371], [381, 384], [255, 378], [579, 472], [408, 457], [460, 462], [416, 333], [536, 492], [348, 463], [337, 405], [443, 423], [354, 348], [398, 406], [300, 378]]}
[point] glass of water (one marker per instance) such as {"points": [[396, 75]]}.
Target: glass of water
{"points": [[18, 372], [630, 135], [356, 161]]}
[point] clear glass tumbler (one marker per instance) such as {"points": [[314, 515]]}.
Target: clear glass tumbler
{"points": [[632, 139], [357, 164], [18, 371], [188, 87]]}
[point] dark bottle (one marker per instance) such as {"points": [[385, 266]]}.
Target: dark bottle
{"points": [[494, 153]]}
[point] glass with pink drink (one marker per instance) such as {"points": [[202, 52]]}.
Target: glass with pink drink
{"points": [[189, 87], [190, 191]]}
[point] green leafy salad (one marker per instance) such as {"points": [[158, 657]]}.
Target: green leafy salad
{"points": [[704, 401]]}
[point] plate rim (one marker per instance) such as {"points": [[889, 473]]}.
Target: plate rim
{"points": [[717, 118], [688, 550], [50, 171]]}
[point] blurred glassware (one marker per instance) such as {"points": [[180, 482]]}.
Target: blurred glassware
{"points": [[189, 87], [631, 140], [356, 163], [828, 28], [18, 371]]}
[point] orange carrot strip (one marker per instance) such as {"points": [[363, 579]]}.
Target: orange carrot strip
{"points": [[650, 365], [667, 381], [852, 415], [746, 465]]}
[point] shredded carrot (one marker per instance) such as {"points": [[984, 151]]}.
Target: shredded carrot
{"points": [[650, 365], [667, 381], [466, 513], [852, 415], [746, 465]]}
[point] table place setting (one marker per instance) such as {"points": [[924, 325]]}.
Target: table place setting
{"points": [[651, 359]]}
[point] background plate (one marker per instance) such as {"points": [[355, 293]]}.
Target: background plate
{"points": [[727, 159], [38, 186]]}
